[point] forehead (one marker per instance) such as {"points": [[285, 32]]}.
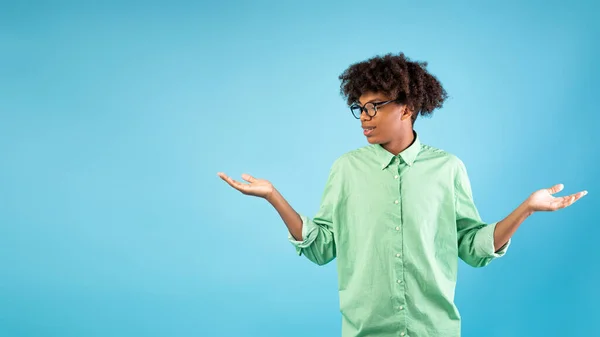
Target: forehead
{"points": [[371, 96]]}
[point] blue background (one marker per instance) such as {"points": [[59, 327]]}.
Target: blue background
{"points": [[116, 117]]}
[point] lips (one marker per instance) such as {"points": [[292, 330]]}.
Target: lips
{"points": [[367, 130]]}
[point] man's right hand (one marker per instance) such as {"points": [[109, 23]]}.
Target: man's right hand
{"points": [[255, 187]]}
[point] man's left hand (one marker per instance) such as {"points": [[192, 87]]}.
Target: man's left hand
{"points": [[543, 200]]}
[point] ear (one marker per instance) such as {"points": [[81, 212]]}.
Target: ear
{"points": [[406, 112]]}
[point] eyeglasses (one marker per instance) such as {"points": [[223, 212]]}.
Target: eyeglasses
{"points": [[370, 108]]}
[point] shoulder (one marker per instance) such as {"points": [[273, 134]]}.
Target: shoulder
{"points": [[429, 152], [358, 154]]}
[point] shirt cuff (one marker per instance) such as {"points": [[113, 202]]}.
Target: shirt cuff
{"points": [[484, 242], [308, 234]]}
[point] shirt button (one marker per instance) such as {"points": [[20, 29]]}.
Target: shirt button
{"points": [[397, 255], [396, 176], [399, 281], [402, 333], [395, 201], [401, 308], [397, 228]]}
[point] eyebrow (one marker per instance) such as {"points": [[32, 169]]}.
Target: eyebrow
{"points": [[375, 100]]}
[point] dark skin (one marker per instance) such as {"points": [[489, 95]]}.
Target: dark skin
{"points": [[393, 129], [392, 123]]}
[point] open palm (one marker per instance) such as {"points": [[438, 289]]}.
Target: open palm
{"points": [[255, 187], [543, 200]]}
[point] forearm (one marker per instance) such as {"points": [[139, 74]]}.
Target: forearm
{"points": [[506, 228], [289, 216]]}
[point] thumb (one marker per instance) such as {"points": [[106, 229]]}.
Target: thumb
{"points": [[556, 188], [248, 178]]}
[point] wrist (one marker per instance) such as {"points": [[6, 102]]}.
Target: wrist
{"points": [[272, 196], [526, 208]]}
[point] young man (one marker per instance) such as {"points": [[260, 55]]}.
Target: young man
{"points": [[397, 214]]}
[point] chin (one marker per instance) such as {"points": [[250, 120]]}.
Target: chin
{"points": [[373, 140]]}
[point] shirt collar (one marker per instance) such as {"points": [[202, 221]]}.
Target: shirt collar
{"points": [[408, 155]]}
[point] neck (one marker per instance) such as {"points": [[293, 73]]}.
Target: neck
{"points": [[398, 145]]}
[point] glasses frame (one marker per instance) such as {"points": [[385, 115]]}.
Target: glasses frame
{"points": [[365, 109]]}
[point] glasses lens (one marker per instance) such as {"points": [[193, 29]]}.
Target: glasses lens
{"points": [[370, 109], [355, 111]]}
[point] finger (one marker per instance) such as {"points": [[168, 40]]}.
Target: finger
{"points": [[223, 176], [234, 183], [226, 178], [556, 188], [248, 178], [568, 200], [578, 195], [575, 196]]}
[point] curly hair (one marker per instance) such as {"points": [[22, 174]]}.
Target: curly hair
{"points": [[398, 77]]}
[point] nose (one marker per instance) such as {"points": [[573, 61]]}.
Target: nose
{"points": [[364, 116]]}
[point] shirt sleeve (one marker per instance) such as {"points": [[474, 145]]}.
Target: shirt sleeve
{"points": [[318, 241], [475, 237]]}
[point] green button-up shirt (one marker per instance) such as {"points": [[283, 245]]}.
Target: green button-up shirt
{"points": [[397, 225]]}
